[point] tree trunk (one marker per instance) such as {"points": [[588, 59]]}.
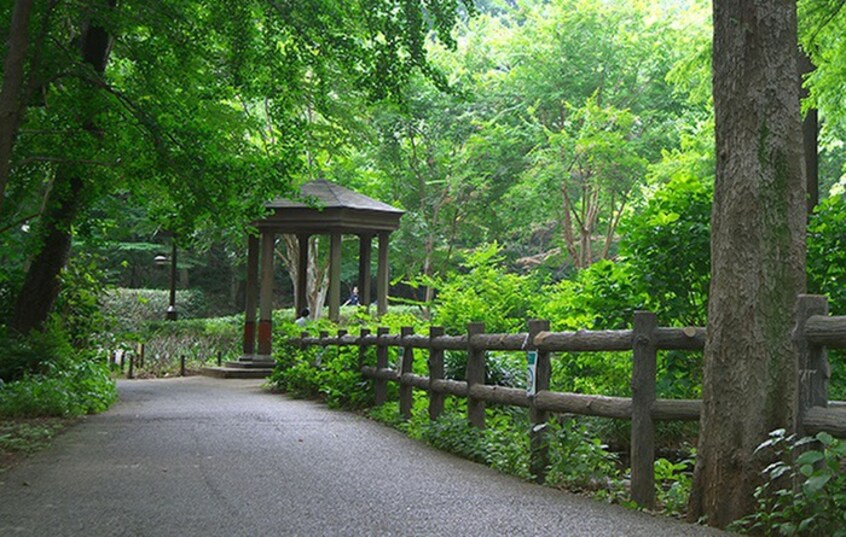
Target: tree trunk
{"points": [[13, 82], [757, 253], [41, 286]]}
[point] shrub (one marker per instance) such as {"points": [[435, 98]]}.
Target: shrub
{"points": [[68, 388], [128, 309], [22, 355]]}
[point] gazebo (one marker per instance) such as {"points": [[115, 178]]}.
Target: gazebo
{"points": [[326, 209]]}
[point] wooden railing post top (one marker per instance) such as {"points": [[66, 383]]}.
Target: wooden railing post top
{"points": [[382, 331], [406, 331], [324, 334], [342, 333], [364, 332], [436, 331]]}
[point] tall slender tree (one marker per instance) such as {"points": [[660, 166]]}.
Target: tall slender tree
{"points": [[757, 252]]}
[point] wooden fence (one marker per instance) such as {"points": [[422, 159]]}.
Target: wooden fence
{"points": [[814, 332]]}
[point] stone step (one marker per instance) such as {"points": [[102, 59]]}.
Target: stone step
{"points": [[236, 372]]}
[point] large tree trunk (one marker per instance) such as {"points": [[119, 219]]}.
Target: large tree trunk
{"points": [[12, 89], [757, 252], [41, 286]]}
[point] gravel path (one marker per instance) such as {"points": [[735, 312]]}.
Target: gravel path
{"points": [[208, 457]]}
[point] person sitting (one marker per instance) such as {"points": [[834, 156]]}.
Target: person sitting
{"points": [[302, 320]]}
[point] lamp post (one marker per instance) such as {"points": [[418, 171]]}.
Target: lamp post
{"points": [[162, 260]]}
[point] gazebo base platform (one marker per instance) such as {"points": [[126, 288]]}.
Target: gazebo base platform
{"points": [[240, 370]]}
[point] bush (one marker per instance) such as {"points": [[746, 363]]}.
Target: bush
{"points": [[67, 388]]}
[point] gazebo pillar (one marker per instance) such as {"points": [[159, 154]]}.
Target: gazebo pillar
{"points": [[302, 275], [335, 276], [382, 274], [365, 243], [251, 298], [266, 297]]}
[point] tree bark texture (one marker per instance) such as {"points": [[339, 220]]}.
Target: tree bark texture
{"points": [[12, 89], [757, 252], [41, 286]]}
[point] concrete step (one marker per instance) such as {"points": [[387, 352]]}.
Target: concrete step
{"points": [[236, 372]]}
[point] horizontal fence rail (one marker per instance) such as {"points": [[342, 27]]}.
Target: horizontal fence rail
{"points": [[814, 332]]}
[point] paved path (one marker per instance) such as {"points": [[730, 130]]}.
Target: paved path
{"points": [[209, 457]]}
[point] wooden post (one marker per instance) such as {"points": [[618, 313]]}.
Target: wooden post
{"points": [[406, 391], [362, 349], [266, 296], [141, 354], [380, 386], [219, 358], [365, 243], [131, 373], [251, 298], [334, 277], [382, 277], [814, 369], [643, 397], [122, 354], [436, 372], [181, 365], [539, 444], [475, 374]]}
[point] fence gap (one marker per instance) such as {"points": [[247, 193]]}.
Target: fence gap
{"points": [[436, 372], [539, 443], [644, 351], [406, 390], [475, 374]]}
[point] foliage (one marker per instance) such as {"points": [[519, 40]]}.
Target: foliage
{"points": [[64, 388], [22, 355], [483, 292], [129, 309], [579, 460], [667, 244], [601, 297], [672, 482], [827, 272], [804, 492]]}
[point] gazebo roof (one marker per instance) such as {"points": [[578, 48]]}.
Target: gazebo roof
{"points": [[328, 207]]}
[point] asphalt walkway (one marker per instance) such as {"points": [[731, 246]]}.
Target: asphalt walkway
{"points": [[207, 457]]}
